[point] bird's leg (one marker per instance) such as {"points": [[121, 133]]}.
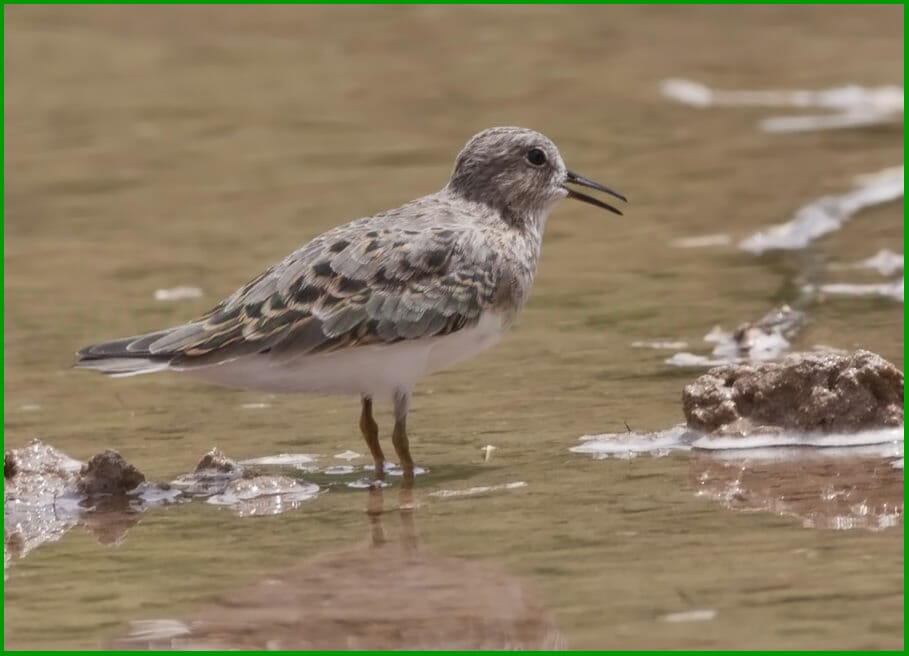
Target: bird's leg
{"points": [[399, 436], [370, 431]]}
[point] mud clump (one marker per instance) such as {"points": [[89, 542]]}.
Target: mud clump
{"points": [[9, 465], [805, 392], [211, 476], [108, 473], [216, 461]]}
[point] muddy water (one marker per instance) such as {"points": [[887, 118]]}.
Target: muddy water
{"points": [[150, 148]]}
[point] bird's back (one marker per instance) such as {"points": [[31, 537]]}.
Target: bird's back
{"points": [[429, 268]]}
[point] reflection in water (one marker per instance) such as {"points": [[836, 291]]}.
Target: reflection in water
{"points": [[46, 493], [389, 594], [826, 488], [838, 481]]}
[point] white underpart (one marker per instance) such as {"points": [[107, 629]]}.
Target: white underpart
{"points": [[376, 371]]}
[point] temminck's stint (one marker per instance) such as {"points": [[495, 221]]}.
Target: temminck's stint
{"points": [[372, 306]]}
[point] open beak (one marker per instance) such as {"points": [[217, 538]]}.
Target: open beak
{"points": [[574, 178]]}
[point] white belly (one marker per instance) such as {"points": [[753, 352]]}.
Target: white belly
{"points": [[376, 371]]}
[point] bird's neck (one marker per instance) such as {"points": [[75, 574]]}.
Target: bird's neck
{"points": [[529, 221]]}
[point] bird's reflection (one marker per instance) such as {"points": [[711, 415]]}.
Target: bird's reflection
{"points": [[390, 594]]}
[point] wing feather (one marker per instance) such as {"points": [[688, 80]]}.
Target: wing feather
{"points": [[368, 282]]}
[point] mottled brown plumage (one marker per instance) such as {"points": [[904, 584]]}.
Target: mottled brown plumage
{"points": [[460, 261]]}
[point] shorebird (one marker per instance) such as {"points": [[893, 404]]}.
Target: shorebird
{"points": [[370, 307]]}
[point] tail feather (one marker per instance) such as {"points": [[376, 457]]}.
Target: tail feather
{"points": [[129, 356]]}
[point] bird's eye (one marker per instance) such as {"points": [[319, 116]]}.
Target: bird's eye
{"points": [[536, 157]]}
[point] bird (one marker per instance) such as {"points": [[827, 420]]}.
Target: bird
{"points": [[369, 308]]}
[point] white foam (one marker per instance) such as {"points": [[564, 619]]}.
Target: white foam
{"points": [[177, 293], [701, 241], [700, 615], [884, 443], [161, 629], [686, 359], [282, 459], [852, 97], [660, 345], [765, 339], [852, 105], [885, 262], [789, 453], [629, 445], [892, 290], [877, 436], [828, 213], [838, 121], [482, 489]]}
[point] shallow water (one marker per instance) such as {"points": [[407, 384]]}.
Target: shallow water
{"points": [[163, 147]]}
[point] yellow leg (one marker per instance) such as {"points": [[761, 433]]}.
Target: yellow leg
{"points": [[399, 435], [370, 431]]}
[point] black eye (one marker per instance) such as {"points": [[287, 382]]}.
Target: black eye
{"points": [[536, 157]]}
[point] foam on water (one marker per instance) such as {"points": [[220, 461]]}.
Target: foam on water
{"points": [[828, 213], [792, 453], [481, 489], [892, 290], [885, 443], [177, 293], [863, 438], [629, 445], [700, 615], [283, 459], [660, 345], [852, 105], [885, 262], [701, 241]]}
